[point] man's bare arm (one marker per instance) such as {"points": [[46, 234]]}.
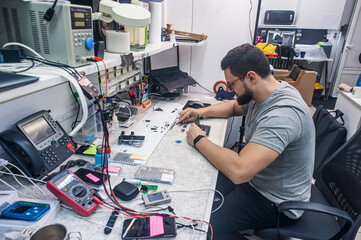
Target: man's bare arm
{"points": [[239, 168]]}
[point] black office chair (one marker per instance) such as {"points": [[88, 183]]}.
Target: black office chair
{"points": [[330, 135], [334, 211]]}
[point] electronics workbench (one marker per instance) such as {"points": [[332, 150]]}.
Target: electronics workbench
{"points": [[194, 180], [192, 172]]}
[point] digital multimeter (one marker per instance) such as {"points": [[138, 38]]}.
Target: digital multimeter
{"points": [[71, 190], [28, 211]]}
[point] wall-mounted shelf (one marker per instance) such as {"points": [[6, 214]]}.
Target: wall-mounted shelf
{"points": [[192, 44], [276, 26]]}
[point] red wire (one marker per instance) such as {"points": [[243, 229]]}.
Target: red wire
{"points": [[119, 211]]}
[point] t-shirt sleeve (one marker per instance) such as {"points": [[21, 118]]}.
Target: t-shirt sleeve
{"points": [[245, 107], [277, 129]]}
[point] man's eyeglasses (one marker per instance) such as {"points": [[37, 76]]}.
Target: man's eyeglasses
{"points": [[229, 85]]}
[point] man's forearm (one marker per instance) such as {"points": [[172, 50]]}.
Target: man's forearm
{"points": [[225, 160]]}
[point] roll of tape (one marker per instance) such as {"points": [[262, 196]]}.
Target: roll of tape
{"points": [[117, 42]]}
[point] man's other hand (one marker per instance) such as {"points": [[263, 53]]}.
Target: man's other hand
{"points": [[193, 132], [188, 115]]}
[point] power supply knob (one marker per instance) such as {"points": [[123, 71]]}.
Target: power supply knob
{"points": [[89, 43]]}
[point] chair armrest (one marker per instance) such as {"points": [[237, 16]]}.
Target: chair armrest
{"points": [[317, 207], [279, 76], [281, 71]]}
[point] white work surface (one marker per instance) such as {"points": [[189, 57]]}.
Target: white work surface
{"points": [[351, 107], [193, 172]]}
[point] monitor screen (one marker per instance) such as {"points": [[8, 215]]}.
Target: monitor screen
{"points": [[38, 130], [165, 59]]}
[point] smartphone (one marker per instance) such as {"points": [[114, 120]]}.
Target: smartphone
{"points": [[140, 228], [82, 149], [90, 176], [29, 211]]}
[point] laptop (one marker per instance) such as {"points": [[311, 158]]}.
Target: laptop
{"points": [[164, 69], [12, 80]]}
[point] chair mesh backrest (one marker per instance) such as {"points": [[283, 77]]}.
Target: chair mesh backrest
{"points": [[340, 177], [295, 72]]}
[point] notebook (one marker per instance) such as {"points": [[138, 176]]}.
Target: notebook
{"points": [[164, 69], [12, 80]]}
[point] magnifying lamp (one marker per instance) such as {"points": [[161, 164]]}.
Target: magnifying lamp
{"points": [[129, 15]]}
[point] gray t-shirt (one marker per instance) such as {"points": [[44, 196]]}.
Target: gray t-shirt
{"points": [[282, 122]]}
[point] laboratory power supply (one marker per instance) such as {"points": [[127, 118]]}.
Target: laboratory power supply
{"points": [[67, 38]]}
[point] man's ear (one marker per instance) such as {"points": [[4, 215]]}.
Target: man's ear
{"points": [[252, 76]]}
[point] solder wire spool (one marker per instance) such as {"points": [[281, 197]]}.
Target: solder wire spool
{"points": [[218, 84]]}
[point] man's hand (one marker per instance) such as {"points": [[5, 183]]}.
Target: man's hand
{"points": [[193, 132], [188, 115]]}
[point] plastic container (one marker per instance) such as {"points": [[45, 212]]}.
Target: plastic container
{"points": [[358, 83], [93, 125]]}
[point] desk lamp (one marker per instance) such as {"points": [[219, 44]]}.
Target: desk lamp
{"points": [[129, 15]]}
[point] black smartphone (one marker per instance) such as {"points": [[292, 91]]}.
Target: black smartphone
{"points": [[140, 228], [90, 176]]}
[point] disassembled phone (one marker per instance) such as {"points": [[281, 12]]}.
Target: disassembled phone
{"points": [[205, 128]]}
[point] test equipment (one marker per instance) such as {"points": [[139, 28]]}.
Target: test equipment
{"points": [[154, 199], [29, 211], [67, 38], [73, 192]]}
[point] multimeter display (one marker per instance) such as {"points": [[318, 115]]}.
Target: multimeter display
{"points": [[28, 211]]}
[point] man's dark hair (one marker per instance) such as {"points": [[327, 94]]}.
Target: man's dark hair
{"points": [[244, 58]]}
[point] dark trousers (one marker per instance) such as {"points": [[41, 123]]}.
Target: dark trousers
{"points": [[244, 208]]}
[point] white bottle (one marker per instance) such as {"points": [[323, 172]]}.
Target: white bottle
{"points": [[172, 36], [115, 122]]}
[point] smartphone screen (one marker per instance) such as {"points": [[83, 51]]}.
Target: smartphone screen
{"points": [[140, 228]]}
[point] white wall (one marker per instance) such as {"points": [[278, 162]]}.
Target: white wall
{"points": [[311, 14], [225, 23]]}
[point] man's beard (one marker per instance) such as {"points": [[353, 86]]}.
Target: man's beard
{"points": [[246, 97]]}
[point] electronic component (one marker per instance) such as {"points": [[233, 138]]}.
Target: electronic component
{"points": [[135, 141], [127, 158], [73, 192], [22, 210], [155, 174], [157, 198], [7, 225]]}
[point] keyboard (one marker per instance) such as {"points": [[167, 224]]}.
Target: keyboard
{"points": [[155, 174]]}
